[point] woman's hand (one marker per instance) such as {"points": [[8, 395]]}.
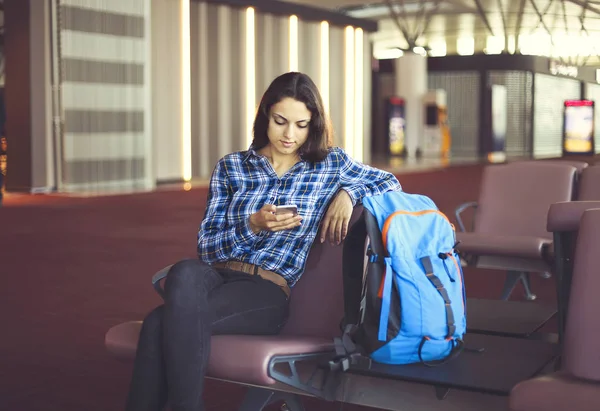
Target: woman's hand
{"points": [[337, 218], [266, 220]]}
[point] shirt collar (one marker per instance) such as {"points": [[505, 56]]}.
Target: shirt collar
{"points": [[251, 152]]}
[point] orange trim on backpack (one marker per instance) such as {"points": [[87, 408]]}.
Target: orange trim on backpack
{"points": [[388, 221], [380, 292]]}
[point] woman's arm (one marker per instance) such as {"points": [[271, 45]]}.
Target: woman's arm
{"points": [[357, 180], [360, 180], [217, 240]]}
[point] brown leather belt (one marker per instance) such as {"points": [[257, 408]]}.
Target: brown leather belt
{"points": [[254, 270]]}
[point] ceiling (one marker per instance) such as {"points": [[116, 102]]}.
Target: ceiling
{"points": [[568, 30]]}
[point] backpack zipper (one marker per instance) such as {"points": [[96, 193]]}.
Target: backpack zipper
{"points": [[446, 267]]}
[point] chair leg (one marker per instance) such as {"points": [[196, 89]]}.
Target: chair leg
{"points": [[527, 287], [512, 278], [510, 282]]}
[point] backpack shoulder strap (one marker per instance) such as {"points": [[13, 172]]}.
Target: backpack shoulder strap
{"points": [[374, 234], [457, 344], [352, 263]]}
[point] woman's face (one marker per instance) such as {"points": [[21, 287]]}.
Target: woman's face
{"points": [[289, 122]]}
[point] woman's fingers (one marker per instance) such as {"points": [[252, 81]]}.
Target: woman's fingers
{"points": [[338, 229], [283, 222], [344, 232], [325, 227], [334, 230]]}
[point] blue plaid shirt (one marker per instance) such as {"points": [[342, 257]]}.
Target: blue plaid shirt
{"points": [[243, 182]]}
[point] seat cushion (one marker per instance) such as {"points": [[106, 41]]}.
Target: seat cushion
{"points": [[121, 340], [555, 392], [241, 358], [505, 246]]}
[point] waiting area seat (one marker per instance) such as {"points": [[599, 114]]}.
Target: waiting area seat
{"points": [[580, 165], [233, 357], [490, 365], [589, 185], [315, 314], [557, 392], [577, 385], [564, 222], [508, 232], [296, 362]]}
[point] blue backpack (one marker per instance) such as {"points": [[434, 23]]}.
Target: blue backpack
{"points": [[409, 305]]}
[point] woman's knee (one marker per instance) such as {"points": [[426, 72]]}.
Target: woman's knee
{"points": [[189, 277]]}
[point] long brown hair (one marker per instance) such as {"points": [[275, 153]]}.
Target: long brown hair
{"points": [[300, 87]]}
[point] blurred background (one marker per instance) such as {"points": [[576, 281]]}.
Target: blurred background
{"points": [[104, 96], [113, 114]]}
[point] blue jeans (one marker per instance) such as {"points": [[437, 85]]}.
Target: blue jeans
{"points": [[174, 345]]}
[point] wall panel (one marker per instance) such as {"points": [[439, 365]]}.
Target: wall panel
{"points": [[219, 83], [167, 81], [336, 83], [519, 89], [105, 65], [463, 97], [550, 94]]}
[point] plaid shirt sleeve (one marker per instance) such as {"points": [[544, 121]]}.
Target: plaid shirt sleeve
{"points": [[360, 180], [217, 241]]}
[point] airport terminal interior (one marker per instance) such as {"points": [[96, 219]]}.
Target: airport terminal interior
{"points": [[114, 114]]}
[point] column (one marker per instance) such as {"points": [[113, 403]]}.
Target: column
{"points": [[411, 85], [167, 90], [28, 96]]}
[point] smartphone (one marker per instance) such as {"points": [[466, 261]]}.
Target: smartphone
{"points": [[287, 209]]}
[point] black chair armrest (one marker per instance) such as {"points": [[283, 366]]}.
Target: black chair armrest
{"points": [[156, 278], [459, 211]]}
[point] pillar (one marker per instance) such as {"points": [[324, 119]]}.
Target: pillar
{"points": [[28, 96], [411, 85]]}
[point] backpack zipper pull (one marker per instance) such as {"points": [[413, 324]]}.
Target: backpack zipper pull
{"points": [[444, 256]]}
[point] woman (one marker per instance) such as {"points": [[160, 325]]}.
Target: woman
{"points": [[250, 256]]}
